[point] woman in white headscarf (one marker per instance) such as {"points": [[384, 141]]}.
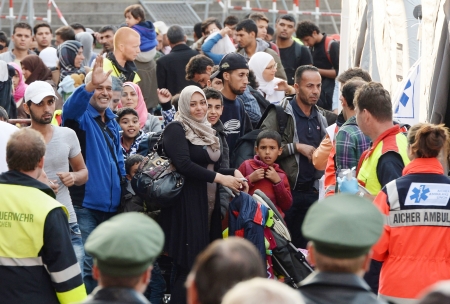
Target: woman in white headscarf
{"points": [[194, 220], [272, 88]]}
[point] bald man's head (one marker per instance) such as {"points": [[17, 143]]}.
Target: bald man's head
{"points": [[126, 44]]}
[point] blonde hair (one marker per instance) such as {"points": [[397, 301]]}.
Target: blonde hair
{"points": [[262, 291]]}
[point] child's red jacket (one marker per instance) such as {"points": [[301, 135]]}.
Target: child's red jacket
{"points": [[279, 194]]}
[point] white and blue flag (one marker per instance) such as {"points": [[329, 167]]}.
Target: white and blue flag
{"points": [[407, 100]]}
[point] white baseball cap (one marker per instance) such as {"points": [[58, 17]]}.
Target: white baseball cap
{"points": [[38, 90], [162, 27]]}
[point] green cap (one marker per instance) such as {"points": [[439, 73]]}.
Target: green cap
{"points": [[125, 245], [343, 226]]}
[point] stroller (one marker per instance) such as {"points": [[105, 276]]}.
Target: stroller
{"points": [[257, 219]]}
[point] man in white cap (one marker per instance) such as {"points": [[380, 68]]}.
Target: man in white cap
{"points": [[163, 29], [63, 149]]}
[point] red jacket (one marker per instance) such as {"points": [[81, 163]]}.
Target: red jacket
{"points": [[415, 245], [279, 194]]}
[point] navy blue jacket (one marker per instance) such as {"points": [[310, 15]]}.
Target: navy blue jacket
{"points": [[247, 219], [102, 191]]}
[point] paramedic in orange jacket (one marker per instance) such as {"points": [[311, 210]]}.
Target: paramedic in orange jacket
{"points": [[414, 246]]}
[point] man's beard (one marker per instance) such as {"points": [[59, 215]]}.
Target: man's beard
{"points": [[236, 91], [40, 120]]}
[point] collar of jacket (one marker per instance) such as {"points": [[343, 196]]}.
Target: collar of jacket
{"points": [[389, 132], [109, 114], [180, 47], [13, 177], [257, 163], [220, 129], [129, 65], [117, 295], [423, 165], [349, 280]]}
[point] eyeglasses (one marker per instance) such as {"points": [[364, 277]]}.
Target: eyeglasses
{"points": [[272, 67]]}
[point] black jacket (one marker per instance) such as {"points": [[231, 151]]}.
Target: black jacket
{"points": [[116, 295], [170, 69], [336, 288]]}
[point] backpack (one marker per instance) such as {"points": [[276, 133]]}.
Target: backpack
{"points": [[328, 40], [298, 52], [245, 145]]}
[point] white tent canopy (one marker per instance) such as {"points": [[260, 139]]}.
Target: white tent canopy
{"points": [[381, 36]]}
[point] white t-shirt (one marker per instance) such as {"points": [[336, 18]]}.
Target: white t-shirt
{"points": [[63, 146], [6, 130]]}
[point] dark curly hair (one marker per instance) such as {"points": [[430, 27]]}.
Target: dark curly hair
{"points": [[197, 65], [306, 28]]}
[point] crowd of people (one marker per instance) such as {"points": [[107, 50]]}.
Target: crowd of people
{"points": [[246, 107]]}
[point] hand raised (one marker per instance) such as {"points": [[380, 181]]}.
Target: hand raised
{"points": [[98, 75], [164, 95]]}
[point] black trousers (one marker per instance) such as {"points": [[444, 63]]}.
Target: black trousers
{"points": [[295, 216]]}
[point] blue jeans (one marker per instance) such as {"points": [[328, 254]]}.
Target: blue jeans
{"points": [[77, 243], [294, 217], [155, 290], [89, 219]]}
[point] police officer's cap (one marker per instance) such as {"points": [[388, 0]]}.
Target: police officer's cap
{"points": [[343, 226], [125, 245]]}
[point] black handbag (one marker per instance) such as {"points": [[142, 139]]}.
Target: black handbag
{"points": [[156, 180]]}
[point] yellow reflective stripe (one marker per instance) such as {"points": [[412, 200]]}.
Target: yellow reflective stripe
{"points": [[66, 274], [75, 295], [21, 262]]}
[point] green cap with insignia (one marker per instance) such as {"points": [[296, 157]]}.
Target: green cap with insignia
{"points": [[343, 226], [125, 245]]}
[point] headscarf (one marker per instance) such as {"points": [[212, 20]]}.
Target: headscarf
{"points": [[49, 56], [141, 108], [198, 133], [66, 54], [258, 63], [19, 91], [39, 71], [86, 41]]}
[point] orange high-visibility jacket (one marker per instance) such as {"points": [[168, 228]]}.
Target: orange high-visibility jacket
{"points": [[415, 245]]}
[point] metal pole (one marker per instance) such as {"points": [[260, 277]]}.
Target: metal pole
{"points": [[317, 11], [1, 10], [274, 14], [31, 12], [332, 18], [49, 12], [22, 7], [11, 16], [225, 9], [295, 4]]}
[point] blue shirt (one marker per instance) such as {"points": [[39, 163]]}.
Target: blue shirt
{"points": [[309, 132]]}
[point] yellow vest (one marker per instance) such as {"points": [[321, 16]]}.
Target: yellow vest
{"points": [[367, 175], [108, 66], [22, 224], [23, 211]]}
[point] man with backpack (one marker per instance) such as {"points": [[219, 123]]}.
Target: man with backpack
{"points": [[292, 54], [325, 54], [305, 127]]}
